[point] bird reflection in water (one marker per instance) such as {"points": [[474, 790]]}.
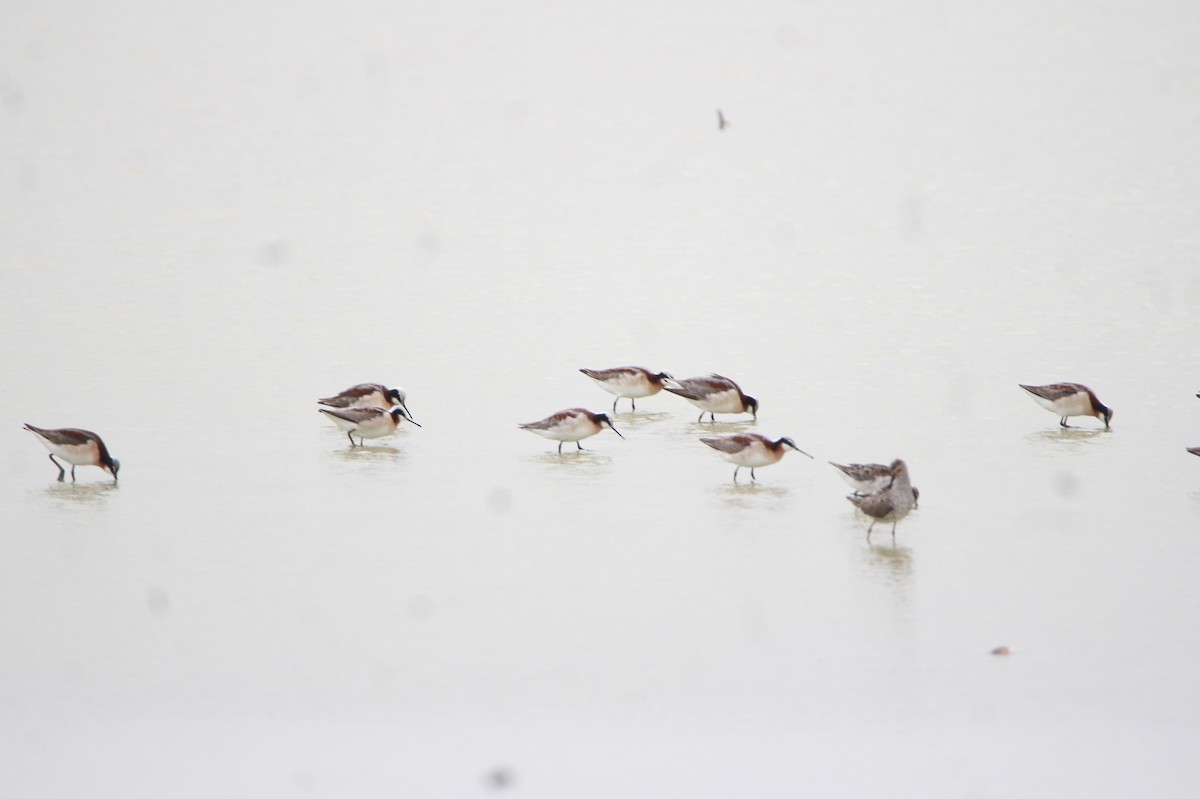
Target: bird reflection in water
{"points": [[753, 496], [1070, 436], [585, 463], [82, 495], [891, 561], [367, 453]]}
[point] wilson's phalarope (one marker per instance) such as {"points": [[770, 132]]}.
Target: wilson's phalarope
{"points": [[750, 449], [368, 395], [713, 394], [573, 424], [76, 447], [368, 422], [1069, 399], [892, 503], [628, 381]]}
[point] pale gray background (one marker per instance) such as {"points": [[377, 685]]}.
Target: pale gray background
{"points": [[212, 213]]}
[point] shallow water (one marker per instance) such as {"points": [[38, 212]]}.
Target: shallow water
{"points": [[218, 214]]}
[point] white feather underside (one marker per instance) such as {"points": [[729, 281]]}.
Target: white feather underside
{"points": [[628, 384], [1077, 404], [573, 428], [74, 454], [728, 401], [373, 427]]}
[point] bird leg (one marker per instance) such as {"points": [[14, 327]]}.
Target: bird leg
{"points": [[870, 528], [632, 404], [701, 419], [350, 437], [72, 473], [579, 445], [1063, 422], [752, 477], [560, 447], [735, 471], [61, 471], [615, 405]]}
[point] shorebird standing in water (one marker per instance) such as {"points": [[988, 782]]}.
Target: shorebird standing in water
{"points": [[76, 447], [751, 450], [573, 424], [367, 422], [892, 503], [633, 382], [713, 394], [1069, 399], [368, 395]]}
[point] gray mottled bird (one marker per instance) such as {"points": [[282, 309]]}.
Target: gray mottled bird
{"points": [[867, 478], [892, 503]]}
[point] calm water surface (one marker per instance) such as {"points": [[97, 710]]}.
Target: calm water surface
{"points": [[215, 214]]}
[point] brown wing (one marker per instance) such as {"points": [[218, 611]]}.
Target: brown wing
{"points": [[610, 374], [355, 415], [66, 436], [863, 472], [353, 394], [695, 388], [553, 420], [730, 444], [1055, 391]]}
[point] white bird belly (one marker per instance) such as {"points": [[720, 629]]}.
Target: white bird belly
{"points": [[574, 429], [629, 385], [74, 454], [752, 457], [377, 427], [727, 401], [1076, 404]]}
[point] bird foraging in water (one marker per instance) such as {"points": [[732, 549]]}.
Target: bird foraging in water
{"points": [[367, 395], [1069, 399], [368, 422], [633, 382], [751, 450], [892, 503], [573, 424], [713, 394], [76, 447]]}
